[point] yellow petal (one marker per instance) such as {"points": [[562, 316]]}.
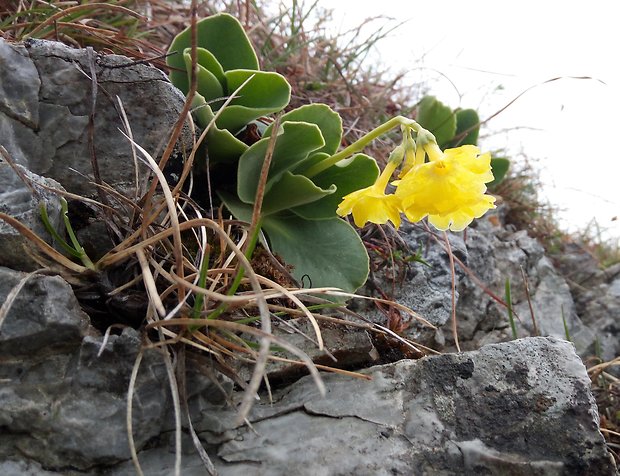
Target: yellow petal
{"points": [[371, 205], [450, 189]]}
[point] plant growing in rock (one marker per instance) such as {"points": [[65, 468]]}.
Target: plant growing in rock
{"points": [[309, 181]]}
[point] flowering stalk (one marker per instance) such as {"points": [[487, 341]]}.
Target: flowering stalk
{"points": [[449, 189], [361, 143]]}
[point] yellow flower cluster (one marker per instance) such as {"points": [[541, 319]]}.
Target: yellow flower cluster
{"points": [[449, 189]]}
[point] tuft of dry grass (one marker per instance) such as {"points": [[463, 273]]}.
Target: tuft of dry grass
{"points": [[190, 268], [606, 388]]}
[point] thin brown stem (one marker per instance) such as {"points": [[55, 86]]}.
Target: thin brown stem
{"points": [[453, 291]]}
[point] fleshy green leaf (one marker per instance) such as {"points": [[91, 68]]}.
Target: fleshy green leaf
{"points": [[207, 85], [467, 128], [348, 176], [328, 252], [241, 211], [323, 116], [499, 167], [265, 93], [313, 158], [207, 60], [292, 190], [295, 142], [221, 144], [437, 118], [223, 36]]}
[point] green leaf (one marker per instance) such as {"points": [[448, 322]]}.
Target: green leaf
{"points": [[348, 176], [265, 93], [313, 158], [499, 167], [207, 60], [323, 116], [223, 36], [295, 142], [207, 85], [467, 128], [221, 144], [292, 190], [329, 252], [437, 118], [241, 211]]}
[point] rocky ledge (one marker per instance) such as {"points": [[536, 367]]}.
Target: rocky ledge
{"points": [[522, 407]]}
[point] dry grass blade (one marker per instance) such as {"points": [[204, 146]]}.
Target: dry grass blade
{"points": [[12, 295], [597, 369], [149, 283], [170, 202], [185, 113], [262, 180], [471, 274], [397, 305], [455, 333], [233, 326], [129, 132], [129, 421], [526, 286], [206, 461], [261, 361], [89, 6], [291, 295], [20, 173], [176, 404]]}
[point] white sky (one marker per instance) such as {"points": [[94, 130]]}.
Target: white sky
{"points": [[466, 50]]}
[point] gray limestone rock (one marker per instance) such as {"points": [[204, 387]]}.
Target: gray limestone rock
{"points": [[496, 254], [46, 99], [520, 408], [63, 397], [44, 316], [18, 200], [423, 287], [343, 347], [596, 292], [492, 254]]}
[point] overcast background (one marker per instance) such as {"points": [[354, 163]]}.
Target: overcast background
{"points": [[482, 54]]}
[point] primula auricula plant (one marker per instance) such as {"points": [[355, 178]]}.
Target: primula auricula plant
{"points": [[310, 182]]}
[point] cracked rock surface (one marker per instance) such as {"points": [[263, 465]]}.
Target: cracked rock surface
{"points": [[596, 292], [63, 393], [518, 408], [22, 202], [47, 100], [493, 254], [522, 407]]}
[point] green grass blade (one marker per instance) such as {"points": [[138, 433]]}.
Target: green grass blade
{"points": [[566, 331], [52, 231], [511, 318]]}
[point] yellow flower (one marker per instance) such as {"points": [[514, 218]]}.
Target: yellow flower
{"points": [[450, 189], [371, 204]]}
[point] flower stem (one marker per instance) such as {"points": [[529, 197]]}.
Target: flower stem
{"points": [[359, 144], [385, 176]]}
